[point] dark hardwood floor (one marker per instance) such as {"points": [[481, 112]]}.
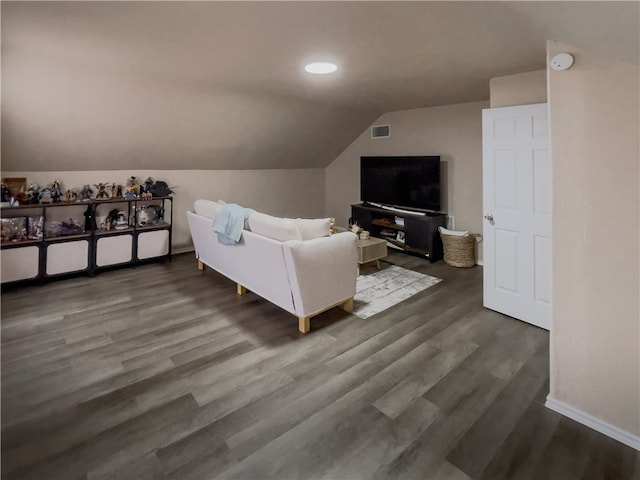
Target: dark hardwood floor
{"points": [[164, 372]]}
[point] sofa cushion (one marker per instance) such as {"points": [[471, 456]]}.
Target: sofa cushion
{"points": [[206, 208], [311, 228], [281, 229]]}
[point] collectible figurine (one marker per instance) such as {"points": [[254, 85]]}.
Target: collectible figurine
{"points": [[112, 218], [71, 226], [56, 191], [160, 189], [147, 184], [36, 228], [102, 190], [71, 195], [121, 221], [5, 193], [22, 234], [86, 193], [131, 191], [45, 195], [89, 219], [32, 195], [119, 191], [143, 216], [158, 213]]}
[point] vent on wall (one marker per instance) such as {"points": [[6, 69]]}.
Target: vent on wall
{"points": [[381, 131]]}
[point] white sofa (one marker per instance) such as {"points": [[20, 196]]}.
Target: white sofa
{"points": [[279, 260]]}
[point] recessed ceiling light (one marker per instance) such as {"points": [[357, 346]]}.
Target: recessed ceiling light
{"points": [[321, 68]]}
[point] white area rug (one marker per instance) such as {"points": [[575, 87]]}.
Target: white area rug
{"points": [[385, 288]]}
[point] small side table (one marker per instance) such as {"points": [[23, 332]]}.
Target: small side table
{"points": [[370, 250]]}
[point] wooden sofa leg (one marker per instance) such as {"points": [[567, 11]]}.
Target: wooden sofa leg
{"points": [[240, 289], [348, 305], [304, 324], [200, 265]]}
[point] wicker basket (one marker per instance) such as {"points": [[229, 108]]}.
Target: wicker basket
{"points": [[459, 251]]}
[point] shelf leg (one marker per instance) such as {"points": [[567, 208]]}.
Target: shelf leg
{"points": [[240, 289], [200, 265]]}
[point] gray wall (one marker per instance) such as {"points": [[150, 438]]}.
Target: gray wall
{"points": [[595, 331], [520, 89], [290, 193], [453, 131]]}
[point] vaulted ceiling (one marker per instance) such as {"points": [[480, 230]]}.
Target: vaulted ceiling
{"points": [[221, 85]]}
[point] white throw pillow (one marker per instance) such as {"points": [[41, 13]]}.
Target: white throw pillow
{"points": [[281, 229], [311, 228], [457, 233], [206, 208]]}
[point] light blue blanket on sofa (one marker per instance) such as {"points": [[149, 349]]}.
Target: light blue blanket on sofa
{"points": [[229, 223]]}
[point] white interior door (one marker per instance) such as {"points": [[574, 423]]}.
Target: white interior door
{"points": [[517, 209]]}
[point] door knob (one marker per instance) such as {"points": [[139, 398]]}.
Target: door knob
{"points": [[489, 217]]}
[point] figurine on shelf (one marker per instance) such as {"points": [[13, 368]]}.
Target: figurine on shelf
{"points": [[118, 190], [36, 228], [71, 195], [86, 193], [131, 190], [161, 189], [45, 195], [158, 213], [56, 191], [147, 184], [143, 216], [5, 193], [71, 226], [89, 219], [22, 235], [32, 195], [121, 221], [112, 218], [102, 190], [147, 196]]}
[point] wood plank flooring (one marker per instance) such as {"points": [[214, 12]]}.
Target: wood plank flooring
{"points": [[163, 372]]}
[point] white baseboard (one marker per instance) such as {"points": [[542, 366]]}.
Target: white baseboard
{"points": [[590, 421], [178, 251], [480, 262]]}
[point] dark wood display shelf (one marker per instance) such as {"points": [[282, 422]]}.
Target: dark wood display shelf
{"points": [[421, 235], [124, 200], [62, 238], [20, 243], [103, 250], [153, 226], [394, 226], [114, 231]]}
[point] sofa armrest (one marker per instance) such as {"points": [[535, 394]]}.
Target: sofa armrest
{"points": [[322, 272]]}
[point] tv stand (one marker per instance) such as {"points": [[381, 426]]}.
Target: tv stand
{"points": [[411, 232], [400, 210]]}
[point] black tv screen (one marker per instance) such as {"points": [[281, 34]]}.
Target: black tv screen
{"points": [[412, 182]]}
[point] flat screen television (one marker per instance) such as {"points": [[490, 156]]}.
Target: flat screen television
{"points": [[410, 182]]}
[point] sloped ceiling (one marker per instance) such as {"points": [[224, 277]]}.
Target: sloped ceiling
{"points": [[220, 85]]}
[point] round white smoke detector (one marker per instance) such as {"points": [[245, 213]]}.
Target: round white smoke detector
{"points": [[562, 61]]}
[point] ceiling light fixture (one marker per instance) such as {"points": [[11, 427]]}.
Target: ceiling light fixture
{"points": [[321, 68]]}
